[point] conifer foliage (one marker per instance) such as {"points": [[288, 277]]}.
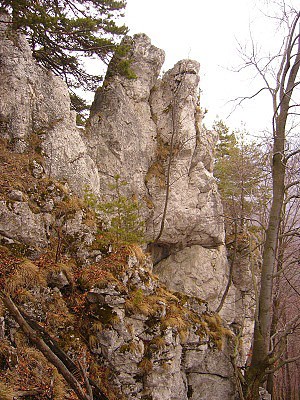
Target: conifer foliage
{"points": [[119, 216], [62, 32]]}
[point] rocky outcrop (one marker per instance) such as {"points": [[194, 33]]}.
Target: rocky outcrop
{"points": [[121, 134], [152, 343], [183, 164], [159, 344], [132, 125], [34, 102], [148, 131], [19, 224], [200, 272]]}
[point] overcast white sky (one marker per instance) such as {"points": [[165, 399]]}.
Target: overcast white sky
{"points": [[207, 31]]}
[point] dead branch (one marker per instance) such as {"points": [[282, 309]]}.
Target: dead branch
{"points": [[282, 363], [42, 346]]}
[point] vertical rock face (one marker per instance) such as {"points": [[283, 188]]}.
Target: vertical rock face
{"points": [[199, 272], [183, 164], [149, 131], [35, 102], [121, 133]]}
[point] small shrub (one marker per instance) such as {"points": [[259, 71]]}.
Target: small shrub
{"points": [[121, 223]]}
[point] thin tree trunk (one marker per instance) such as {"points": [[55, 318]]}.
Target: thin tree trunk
{"points": [[41, 345], [256, 373]]}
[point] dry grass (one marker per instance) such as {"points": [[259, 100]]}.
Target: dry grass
{"points": [[97, 327], [95, 276], [159, 342], [26, 276], [166, 295], [215, 329], [6, 392], [68, 207], [57, 313], [48, 269], [139, 303], [32, 372], [15, 170], [146, 365], [131, 347], [2, 308], [156, 171], [59, 387], [174, 321], [136, 251], [93, 342]]}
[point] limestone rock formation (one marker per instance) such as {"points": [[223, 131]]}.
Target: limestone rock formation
{"points": [[154, 139], [152, 345], [183, 164], [148, 130], [121, 134], [131, 127], [18, 223], [200, 272], [36, 103]]}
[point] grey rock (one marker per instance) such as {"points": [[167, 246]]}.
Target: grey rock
{"points": [[121, 133], [16, 195], [197, 271], [18, 222], [133, 125], [35, 101], [169, 368], [37, 169], [209, 387], [264, 394], [194, 211], [58, 279]]}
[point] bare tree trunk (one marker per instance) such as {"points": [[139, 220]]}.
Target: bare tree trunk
{"points": [[256, 373]]}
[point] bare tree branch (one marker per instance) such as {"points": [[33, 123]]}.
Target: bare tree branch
{"points": [[42, 346]]}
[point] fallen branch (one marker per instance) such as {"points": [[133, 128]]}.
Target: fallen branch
{"points": [[42, 346]]}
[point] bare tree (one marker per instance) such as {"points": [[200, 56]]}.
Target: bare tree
{"points": [[286, 302], [282, 87]]}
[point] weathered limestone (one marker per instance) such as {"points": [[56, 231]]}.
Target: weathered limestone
{"points": [[209, 374], [19, 223], [121, 133], [33, 101], [149, 358], [194, 211], [197, 271], [149, 131], [129, 133]]}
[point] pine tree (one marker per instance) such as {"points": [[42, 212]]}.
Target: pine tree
{"points": [[119, 216], [62, 32], [242, 178]]}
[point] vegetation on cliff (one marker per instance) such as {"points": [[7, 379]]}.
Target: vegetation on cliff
{"points": [[61, 33]]}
